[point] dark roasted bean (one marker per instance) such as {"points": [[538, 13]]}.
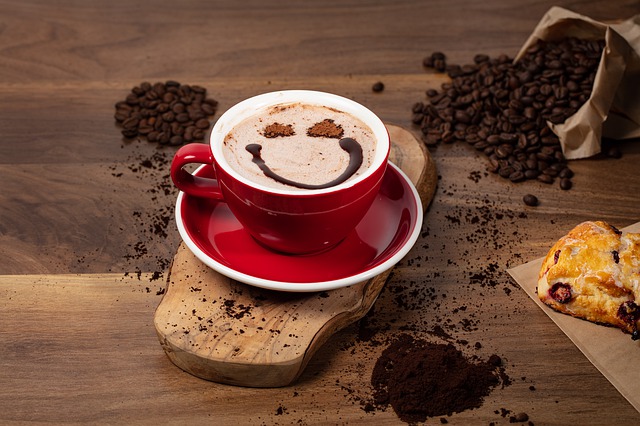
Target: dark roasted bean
{"points": [[545, 179], [565, 184], [530, 200], [614, 152], [531, 174], [378, 86], [516, 176], [566, 173]]}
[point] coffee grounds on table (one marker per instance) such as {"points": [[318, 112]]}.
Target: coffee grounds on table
{"points": [[420, 379]]}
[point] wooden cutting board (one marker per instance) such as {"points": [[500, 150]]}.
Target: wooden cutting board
{"points": [[222, 330]]}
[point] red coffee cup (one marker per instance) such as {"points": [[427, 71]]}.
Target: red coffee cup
{"points": [[286, 220]]}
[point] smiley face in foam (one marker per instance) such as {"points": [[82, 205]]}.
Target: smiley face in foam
{"points": [[300, 146]]}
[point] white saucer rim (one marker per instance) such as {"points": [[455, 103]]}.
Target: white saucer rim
{"points": [[298, 287]]}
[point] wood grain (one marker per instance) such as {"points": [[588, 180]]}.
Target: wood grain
{"points": [[223, 330], [74, 200]]}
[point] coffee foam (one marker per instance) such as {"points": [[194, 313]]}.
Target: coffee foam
{"points": [[298, 157]]}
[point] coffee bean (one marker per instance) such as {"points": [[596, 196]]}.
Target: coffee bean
{"points": [[145, 130], [521, 417], [208, 109], [565, 184], [427, 62], [462, 117], [198, 134], [176, 128], [566, 173], [493, 166], [162, 112], [531, 174], [417, 118], [440, 65], [493, 140], [504, 151], [129, 133], [183, 117], [614, 152], [508, 137], [163, 138], [168, 116], [530, 200], [516, 176], [505, 172], [378, 86], [480, 58], [175, 140], [545, 178]]}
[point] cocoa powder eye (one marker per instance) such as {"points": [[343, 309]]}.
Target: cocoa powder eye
{"points": [[326, 128], [276, 129], [616, 256]]}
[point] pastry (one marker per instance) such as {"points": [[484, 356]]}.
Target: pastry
{"points": [[593, 273]]}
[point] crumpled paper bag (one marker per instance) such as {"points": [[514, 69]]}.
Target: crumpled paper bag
{"points": [[613, 109]]}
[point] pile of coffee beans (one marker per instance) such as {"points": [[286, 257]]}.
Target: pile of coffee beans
{"points": [[168, 113], [501, 108]]}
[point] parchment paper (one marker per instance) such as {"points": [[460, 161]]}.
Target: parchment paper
{"points": [[613, 109], [609, 349]]}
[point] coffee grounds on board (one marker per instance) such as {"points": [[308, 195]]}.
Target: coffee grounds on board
{"points": [[326, 128], [420, 379], [276, 129]]}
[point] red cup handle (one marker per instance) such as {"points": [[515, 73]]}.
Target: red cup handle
{"points": [[194, 153]]}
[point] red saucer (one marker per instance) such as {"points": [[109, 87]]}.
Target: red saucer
{"points": [[381, 239]]}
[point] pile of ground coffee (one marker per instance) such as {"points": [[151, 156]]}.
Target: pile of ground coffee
{"points": [[420, 379]]}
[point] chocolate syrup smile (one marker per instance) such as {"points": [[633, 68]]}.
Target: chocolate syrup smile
{"points": [[348, 144]]}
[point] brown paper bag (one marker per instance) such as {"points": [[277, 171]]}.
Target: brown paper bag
{"points": [[613, 109]]}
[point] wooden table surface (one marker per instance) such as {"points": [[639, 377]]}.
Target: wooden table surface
{"points": [[83, 224]]}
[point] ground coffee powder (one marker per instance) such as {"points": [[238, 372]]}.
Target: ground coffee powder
{"points": [[420, 379]]}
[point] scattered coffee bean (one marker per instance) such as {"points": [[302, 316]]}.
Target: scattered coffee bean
{"points": [[436, 60], [530, 200], [519, 418], [614, 152], [566, 173], [502, 108], [565, 184], [378, 87], [167, 113]]}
